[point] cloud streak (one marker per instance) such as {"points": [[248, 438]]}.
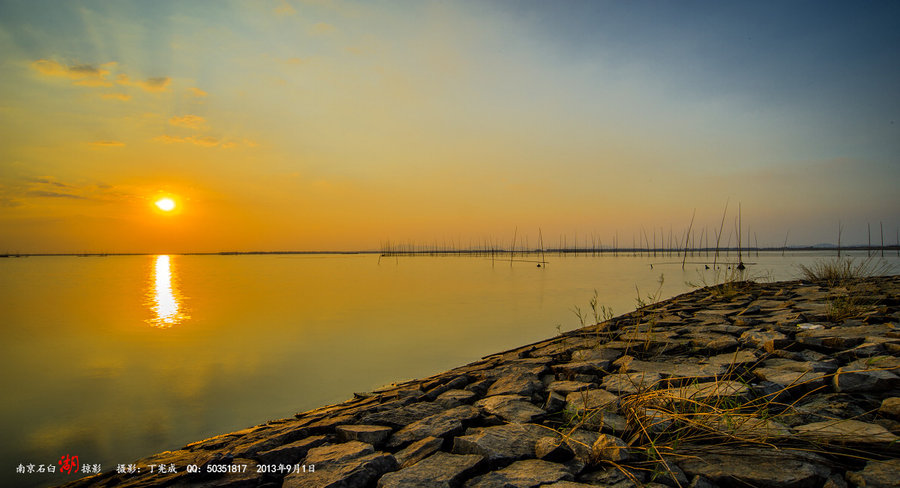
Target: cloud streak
{"points": [[81, 74], [107, 144], [189, 121], [98, 75]]}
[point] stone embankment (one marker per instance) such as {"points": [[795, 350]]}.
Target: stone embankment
{"points": [[790, 384]]}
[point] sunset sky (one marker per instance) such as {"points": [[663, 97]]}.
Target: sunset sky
{"points": [[317, 125]]}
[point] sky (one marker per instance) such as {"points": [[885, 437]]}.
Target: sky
{"points": [[329, 125]]}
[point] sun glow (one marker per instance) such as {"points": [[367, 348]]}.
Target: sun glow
{"points": [[166, 204]]}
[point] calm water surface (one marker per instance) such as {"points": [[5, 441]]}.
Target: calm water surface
{"points": [[115, 358]]}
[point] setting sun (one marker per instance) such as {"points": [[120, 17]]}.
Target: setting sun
{"points": [[166, 204]]}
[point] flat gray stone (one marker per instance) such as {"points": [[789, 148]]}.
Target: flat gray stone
{"points": [[628, 383], [890, 407], [522, 474], [512, 408], [851, 380], [502, 443], [686, 371], [602, 354], [738, 358], [577, 403], [403, 416], [371, 434], [455, 398], [335, 453], [589, 367], [291, 453], [552, 448], [877, 474], [441, 470], [418, 451], [524, 384], [566, 387], [443, 424], [798, 381], [355, 472], [580, 441], [841, 338], [846, 431], [758, 467], [704, 391]]}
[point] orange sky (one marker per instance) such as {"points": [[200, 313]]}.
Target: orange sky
{"points": [[338, 125]]}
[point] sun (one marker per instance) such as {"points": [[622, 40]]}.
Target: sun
{"points": [[166, 204]]}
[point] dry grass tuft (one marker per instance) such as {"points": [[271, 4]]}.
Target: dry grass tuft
{"points": [[839, 271]]}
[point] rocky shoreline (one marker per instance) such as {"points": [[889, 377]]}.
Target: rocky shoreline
{"points": [[789, 384]]}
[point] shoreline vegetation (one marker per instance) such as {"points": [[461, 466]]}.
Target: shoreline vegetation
{"points": [[787, 384]]}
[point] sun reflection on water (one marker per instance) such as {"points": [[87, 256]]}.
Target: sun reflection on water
{"points": [[164, 298]]}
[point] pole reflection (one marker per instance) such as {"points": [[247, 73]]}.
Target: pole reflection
{"points": [[164, 298]]}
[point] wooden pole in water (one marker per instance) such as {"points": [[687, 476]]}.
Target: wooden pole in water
{"points": [[839, 237], [869, 247], [881, 224], [688, 237]]}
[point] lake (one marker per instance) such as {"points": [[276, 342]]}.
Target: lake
{"points": [[115, 358]]}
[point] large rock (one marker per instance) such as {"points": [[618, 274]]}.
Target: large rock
{"points": [[418, 451], [371, 434], [552, 448], [579, 402], [513, 408], [441, 470], [566, 387], [850, 380], [890, 407], [336, 453], [627, 383], [353, 472], [502, 443], [522, 474], [441, 425], [595, 367], [877, 474], [673, 371], [877, 374], [756, 466], [291, 453], [741, 357], [404, 415], [524, 384], [698, 392], [841, 338], [846, 431], [455, 398]]}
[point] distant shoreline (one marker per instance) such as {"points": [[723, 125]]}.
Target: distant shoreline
{"points": [[450, 252]]}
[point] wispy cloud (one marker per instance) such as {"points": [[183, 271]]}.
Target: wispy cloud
{"points": [[98, 75], [155, 85], [81, 74], [189, 121], [197, 92], [321, 29], [284, 8], [116, 96], [204, 141], [107, 144], [53, 194]]}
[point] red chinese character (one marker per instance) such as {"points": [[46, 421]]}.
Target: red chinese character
{"points": [[68, 464]]}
